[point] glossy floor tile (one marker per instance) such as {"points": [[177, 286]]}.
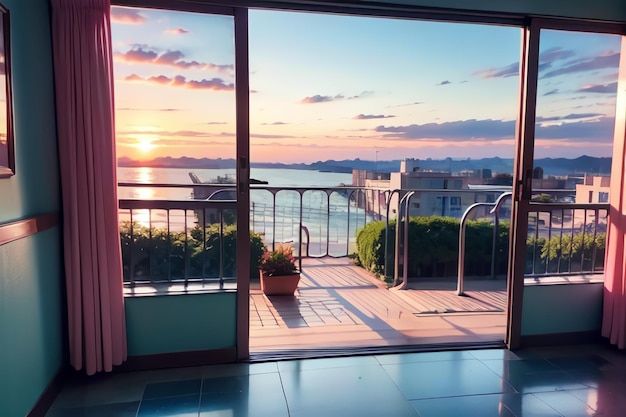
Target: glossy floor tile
{"points": [[567, 381]]}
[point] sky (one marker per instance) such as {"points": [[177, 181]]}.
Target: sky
{"points": [[341, 87]]}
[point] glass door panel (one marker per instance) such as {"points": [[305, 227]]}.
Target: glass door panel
{"points": [[176, 137], [575, 117]]}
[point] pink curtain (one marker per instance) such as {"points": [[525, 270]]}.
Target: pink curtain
{"points": [[83, 69], [614, 316]]}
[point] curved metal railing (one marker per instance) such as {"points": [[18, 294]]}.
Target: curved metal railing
{"points": [[402, 242], [462, 230]]}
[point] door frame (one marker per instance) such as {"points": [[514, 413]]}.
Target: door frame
{"points": [[242, 103], [524, 157]]}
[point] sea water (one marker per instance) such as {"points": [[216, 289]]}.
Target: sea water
{"points": [[329, 219]]}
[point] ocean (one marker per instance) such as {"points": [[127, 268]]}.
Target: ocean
{"points": [[331, 220], [274, 177]]}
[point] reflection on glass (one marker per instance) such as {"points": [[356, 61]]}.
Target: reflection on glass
{"points": [[575, 120], [7, 159]]}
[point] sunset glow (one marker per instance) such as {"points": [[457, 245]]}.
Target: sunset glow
{"points": [[360, 88]]}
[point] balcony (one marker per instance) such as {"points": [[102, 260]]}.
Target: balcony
{"points": [[186, 246]]}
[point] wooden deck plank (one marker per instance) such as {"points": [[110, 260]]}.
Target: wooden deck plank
{"points": [[340, 304]]}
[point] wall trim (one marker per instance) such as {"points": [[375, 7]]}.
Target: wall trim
{"points": [[179, 359], [50, 393], [556, 339], [19, 229]]}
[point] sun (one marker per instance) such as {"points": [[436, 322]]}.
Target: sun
{"points": [[145, 143]]}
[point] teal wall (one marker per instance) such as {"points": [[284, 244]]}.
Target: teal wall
{"points": [[180, 323], [553, 309], [31, 284]]}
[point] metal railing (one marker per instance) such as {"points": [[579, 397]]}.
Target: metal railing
{"points": [[402, 242], [189, 240], [462, 230], [566, 239], [166, 241], [329, 216]]}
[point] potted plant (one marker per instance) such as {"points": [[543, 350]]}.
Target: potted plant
{"points": [[278, 272]]}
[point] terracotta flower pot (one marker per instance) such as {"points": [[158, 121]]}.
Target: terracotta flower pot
{"points": [[280, 285]]}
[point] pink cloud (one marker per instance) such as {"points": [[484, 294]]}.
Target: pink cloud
{"points": [[137, 55], [174, 58], [126, 16], [214, 84], [176, 31]]}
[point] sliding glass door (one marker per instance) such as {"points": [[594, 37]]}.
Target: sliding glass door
{"points": [[563, 164], [181, 89]]}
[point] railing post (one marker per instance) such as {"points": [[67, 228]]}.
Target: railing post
{"points": [[328, 222], [396, 262], [300, 236], [349, 195], [496, 226], [402, 231], [461, 267], [389, 197], [407, 217]]}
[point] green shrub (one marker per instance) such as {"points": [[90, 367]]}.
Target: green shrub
{"points": [[371, 245], [159, 255], [434, 242], [567, 252]]}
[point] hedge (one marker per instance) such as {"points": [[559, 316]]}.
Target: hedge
{"points": [[434, 242], [159, 255], [576, 253]]}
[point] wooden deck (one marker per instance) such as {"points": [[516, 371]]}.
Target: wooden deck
{"points": [[340, 305]]}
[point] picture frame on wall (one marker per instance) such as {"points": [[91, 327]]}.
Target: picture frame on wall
{"points": [[7, 139]]}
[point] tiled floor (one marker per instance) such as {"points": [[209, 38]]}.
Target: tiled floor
{"points": [[566, 381]]}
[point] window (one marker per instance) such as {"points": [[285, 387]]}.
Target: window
{"points": [[175, 124], [603, 197]]}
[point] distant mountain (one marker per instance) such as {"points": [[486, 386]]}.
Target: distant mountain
{"points": [[582, 164], [550, 166], [182, 162]]}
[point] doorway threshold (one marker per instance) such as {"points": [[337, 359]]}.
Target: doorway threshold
{"points": [[288, 354]]}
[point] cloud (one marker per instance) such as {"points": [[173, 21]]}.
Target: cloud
{"points": [[167, 133], [139, 109], [169, 58], [406, 104], [147, 55], [215, 84], [361, 95], [571, 116], [137, 55], [176, 31], [445, 82], [546, 60], [216, 123], [608, 60], [133, 77], [551, 92], [126, 16], [503, 72], [174, 142], [371, 116], [610, 88], [261, 136], [457, 130], [555, 53], [320, 99], [599, 129], [274, 124]]}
